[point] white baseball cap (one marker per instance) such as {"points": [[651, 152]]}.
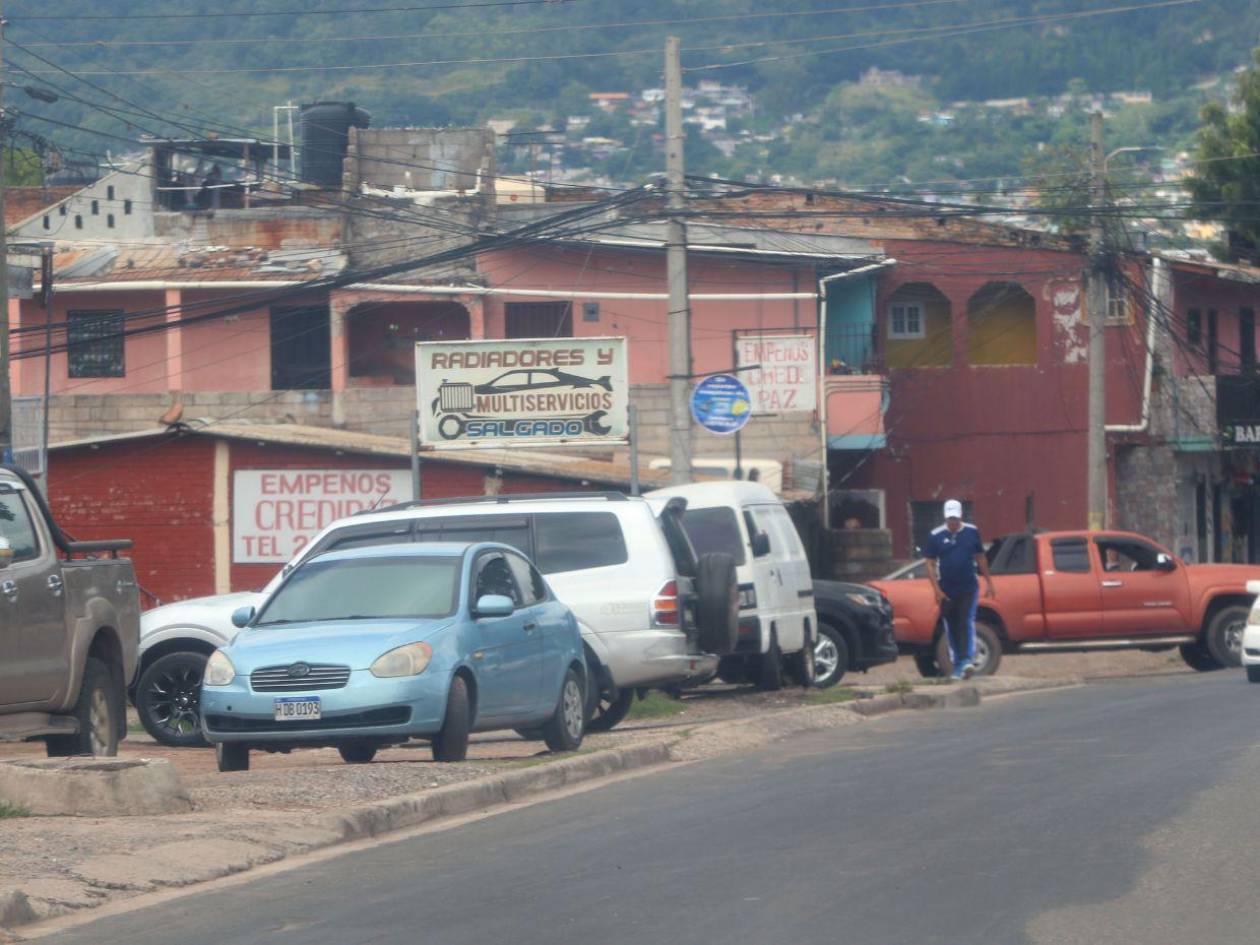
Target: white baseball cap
{"points": [[953, 509]]}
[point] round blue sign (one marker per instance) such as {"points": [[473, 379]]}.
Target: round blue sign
{"points": [[721, 404]]}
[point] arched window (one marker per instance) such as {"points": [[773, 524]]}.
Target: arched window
{"points": [[1002, 325], [917, 327]]}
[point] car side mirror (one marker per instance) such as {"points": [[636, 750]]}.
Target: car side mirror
{"points": [[1165, 562], [494, 605], [242, 617], [760, 545]]}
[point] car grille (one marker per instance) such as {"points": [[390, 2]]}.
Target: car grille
{"points": [[392, 715], [290, 678]]}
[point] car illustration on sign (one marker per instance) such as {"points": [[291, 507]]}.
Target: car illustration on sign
{"points": [[515, 381], [559, 390]]}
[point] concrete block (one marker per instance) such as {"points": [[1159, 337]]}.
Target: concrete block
{"points": [[94, 787], [14, 908]]}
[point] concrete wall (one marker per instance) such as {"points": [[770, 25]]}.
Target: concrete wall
{"points": [[264, 227], [123, 203], [385, 410]]}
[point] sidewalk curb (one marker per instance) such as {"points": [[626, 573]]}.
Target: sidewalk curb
{"points": [[411, 810]]}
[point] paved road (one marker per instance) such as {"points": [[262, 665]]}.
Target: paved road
{"points": [[1123, 812]]}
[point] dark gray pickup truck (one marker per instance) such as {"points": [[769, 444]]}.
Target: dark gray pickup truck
{"points": [[69, 628]]}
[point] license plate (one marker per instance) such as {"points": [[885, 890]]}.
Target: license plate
{"points": [[297, 708]]}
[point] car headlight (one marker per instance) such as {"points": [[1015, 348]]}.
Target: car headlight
{"points": [[410, 660], [863, 600], [219, 670]]}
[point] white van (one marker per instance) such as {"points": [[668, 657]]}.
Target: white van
{"points": [[777, 623]]}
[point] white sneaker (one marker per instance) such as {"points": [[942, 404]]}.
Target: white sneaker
{"points": [[968, 670]]}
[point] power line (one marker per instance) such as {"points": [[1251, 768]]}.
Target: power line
{"points": [[568, 28], [946, 32], [356, 11]]}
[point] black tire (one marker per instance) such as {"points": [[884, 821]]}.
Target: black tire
{"points": [[925, 663], [357, 753], [610, 712], [1224, 635], [567, 725], [101, 701], [1198, 658], [1253, 674], [232, 756], [168, 699], [988, 651], [451, 744], [831, 657], [734, 670], [717, 603], [770, 667]]}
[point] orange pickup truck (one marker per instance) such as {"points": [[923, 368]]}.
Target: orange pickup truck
{"points": [[1083, 591]]}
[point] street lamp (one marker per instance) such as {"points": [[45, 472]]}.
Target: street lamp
{"points": [[1130, 149]]}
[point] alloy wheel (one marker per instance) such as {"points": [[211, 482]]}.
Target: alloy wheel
{"points": [[574, 709], [826, 657], [175, 700]]}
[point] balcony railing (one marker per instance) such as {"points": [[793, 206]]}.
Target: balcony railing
{"points": [[852, 349]]}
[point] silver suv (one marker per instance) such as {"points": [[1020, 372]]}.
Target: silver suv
{"points": [[653, 613]]}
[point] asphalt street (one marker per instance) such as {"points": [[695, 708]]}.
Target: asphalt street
{"points": [[1120, 812]]}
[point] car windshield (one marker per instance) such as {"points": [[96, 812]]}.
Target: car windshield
{"points": [[366, 588]]}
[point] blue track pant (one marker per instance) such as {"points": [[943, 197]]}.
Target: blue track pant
{"points": [[958, 611]]}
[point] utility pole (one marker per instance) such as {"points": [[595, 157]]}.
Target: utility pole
{"points": [[679, 319], [6, 392], [1096, 304]]}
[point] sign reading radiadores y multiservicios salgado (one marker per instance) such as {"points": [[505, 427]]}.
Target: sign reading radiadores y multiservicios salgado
{"points": [[524, 392]]}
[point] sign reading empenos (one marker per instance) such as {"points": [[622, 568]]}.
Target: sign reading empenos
{"points": [[276, 512], [525, 392]]}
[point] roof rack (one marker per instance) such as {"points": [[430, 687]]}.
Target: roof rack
{"points": [[497, 500]]}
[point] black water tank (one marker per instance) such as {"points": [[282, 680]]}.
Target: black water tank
{"points": [[325, 138]]}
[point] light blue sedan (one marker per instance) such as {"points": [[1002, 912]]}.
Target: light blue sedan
{"points": [[369, 647]]}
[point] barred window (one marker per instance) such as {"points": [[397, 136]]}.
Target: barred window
{"points": [[95, 344]]}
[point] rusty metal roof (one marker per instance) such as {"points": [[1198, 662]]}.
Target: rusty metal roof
{"points": [[560, 465], [177, 262]]}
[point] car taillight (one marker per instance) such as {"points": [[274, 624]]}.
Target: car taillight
{"points": [[665, 605]]}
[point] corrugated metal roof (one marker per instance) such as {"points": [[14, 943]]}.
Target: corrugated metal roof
{"points": [[562, 465], [175, 262], [702, 237], [1235, 272]]}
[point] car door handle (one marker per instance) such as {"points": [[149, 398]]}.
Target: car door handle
{"points": [[55, 584], [531, 626], [1113, 583], [10, 590]]}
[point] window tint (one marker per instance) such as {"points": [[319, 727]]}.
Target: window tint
{"points": [[16, 527], [495, 577], [575, 541], [1012, 555], [715, 529], [506, 529], [366, 588], [528, 580], [1070, 554], [365, 537]]}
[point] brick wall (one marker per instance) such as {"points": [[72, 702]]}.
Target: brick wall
{"points": [[159, 493]]}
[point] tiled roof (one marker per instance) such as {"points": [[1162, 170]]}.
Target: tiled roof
{"points": [[22, 203]]}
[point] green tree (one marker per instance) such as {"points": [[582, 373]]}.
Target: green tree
{"points": [[1061, 175], [1226, 183]]}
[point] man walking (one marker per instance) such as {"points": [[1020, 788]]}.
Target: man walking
{"points": [[954, 553]]}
